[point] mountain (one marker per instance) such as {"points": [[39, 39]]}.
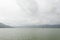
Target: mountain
{"points": [[4, 26], [30, 26], [40, 26]]}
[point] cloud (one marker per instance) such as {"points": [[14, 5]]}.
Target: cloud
{"points": [[29, 12]]}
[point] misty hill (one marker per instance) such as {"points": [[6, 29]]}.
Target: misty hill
{"points": [[40, 26], [4, 26], [30, 26]]}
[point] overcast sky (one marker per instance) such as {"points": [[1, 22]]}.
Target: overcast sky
{"points": [[29, 12]]}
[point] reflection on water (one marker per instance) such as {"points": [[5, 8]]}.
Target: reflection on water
{"points": [[30, 34]]}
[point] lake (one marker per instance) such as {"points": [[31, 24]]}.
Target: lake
{"points": [[29, 33]]}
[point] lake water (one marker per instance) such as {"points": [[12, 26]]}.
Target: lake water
{"points": [[29, 33]]}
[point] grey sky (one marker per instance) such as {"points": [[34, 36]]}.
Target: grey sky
{"points": [[29, 12]]}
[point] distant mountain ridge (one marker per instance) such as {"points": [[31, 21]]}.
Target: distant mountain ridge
{"points": [[40, 26], [30, 26], [4, 26]]}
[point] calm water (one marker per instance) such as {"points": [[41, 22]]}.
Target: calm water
{"points": [[29, 33]]}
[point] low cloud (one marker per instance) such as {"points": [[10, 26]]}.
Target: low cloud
{"points": [[26, 12]]}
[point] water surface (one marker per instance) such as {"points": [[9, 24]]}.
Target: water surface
{"points": [[30, 34]]}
